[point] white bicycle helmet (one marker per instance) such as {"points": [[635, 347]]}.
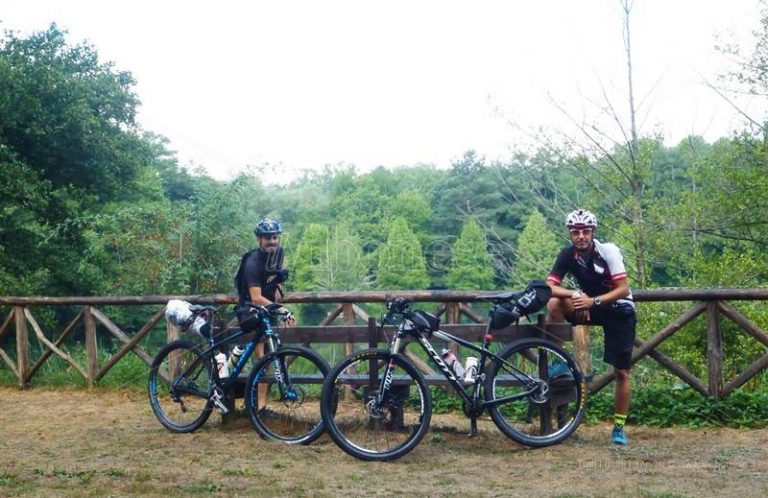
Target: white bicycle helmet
{"points": [[581, 218]]}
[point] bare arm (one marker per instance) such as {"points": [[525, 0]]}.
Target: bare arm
{"points": [[621, 290], [558, 290], [257, 297]]}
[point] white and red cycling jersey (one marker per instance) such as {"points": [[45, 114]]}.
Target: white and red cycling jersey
{"points": [[596, 271]]}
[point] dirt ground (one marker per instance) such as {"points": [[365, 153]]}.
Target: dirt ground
{"points": [[107, 443]]}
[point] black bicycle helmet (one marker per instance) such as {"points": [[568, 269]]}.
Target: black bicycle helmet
{"points": [[268, 227]]}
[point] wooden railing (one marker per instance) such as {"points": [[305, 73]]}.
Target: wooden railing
{"points": [[358, 328]]}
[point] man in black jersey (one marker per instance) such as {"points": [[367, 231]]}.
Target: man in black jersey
{"points": [[604, 299], [259, 277], [261, 270]]}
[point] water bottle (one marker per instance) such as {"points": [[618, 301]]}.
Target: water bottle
{"points": [[237, 352], [449, 357], [221, 365], [471, 370]]}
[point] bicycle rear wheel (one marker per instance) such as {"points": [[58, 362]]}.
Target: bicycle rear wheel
{"points": [[544, 390], [290, 381], [353, 419], [180, 386]]}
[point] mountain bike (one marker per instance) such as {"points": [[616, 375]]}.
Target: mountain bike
{"points": [[185, 385], [376, 405]]}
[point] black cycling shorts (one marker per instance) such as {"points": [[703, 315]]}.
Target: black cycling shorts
{"points": [[619, 326]]}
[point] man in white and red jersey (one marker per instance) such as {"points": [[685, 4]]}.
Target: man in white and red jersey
{"points": [[604, 299]]}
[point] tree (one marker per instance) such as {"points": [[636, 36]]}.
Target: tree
{"points": [[23, 229], [537, 248], [133, 250], [611, 165], [66, 115], [345, 267], [310, 258], [750, 75], [401, 262], [68, 128], [471, 264]]}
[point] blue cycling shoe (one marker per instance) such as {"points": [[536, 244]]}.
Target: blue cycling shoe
{"points": [[618, 436], [558, 368]]}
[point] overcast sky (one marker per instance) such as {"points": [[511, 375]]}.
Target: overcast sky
{"points": [[301, 84]]}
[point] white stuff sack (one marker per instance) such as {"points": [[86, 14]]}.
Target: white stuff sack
{"points": [[178, 313], [201, 327]]}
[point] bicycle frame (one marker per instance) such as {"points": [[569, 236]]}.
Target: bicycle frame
{"points": [[272, 344], [407, 328]]}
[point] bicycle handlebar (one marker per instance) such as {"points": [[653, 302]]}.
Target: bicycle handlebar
{"points": [[271, 310]]}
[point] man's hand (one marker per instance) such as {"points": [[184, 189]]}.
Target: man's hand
{"points": [[286, 315], [582, 301], [581, 305]]}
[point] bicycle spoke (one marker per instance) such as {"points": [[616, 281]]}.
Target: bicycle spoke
{"points": [[370, 426], [179, 387], [543, 406], [283, 395]]}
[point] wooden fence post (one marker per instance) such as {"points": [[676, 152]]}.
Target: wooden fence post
{"points": [[172, 332], [91, 347], [22, 346], [349, 319], [373, 333], [714, 350], [452, 313], [581, 349], [452, 316]]}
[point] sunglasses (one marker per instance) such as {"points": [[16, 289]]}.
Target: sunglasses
{"points": [[271, 237], [580, 231]]}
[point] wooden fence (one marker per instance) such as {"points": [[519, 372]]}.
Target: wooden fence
{"points": [[357, 327]]}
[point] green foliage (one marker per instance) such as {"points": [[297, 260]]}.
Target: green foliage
{"points": [[662, 406], [492, 195], [345, 267], [310, 252], [135, 250], [329, 259], [471, 264], [68, 148], [401, 263], [64, 112], [537, 248], [23, 200]]}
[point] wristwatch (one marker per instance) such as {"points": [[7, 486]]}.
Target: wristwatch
{"points": [[597, 301]]}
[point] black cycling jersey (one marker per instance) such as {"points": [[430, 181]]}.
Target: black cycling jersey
{"points": [[596, 271], [259, 268]]}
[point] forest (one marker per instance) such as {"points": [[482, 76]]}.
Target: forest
{"points": [[92, 204]]}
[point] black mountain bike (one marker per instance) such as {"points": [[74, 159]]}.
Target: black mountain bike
{"points": [[185, 387], [376, 405]]}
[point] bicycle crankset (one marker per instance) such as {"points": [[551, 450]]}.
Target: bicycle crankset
{"points": [[472, 409]]}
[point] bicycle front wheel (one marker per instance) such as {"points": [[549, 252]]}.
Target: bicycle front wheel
{"points": [[537, 393], [282, 396], [180, 386], [362, 426]]}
